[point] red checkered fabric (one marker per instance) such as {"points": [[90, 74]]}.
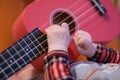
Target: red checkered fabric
{"points": [[57, 63], [57, 66]]}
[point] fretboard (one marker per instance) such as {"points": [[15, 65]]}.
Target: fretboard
{"points": [[22, 53]]}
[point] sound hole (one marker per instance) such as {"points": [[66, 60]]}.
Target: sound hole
{"points": [[64, 17]]}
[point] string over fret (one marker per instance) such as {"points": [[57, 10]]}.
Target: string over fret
{"points": [[22, 53]]}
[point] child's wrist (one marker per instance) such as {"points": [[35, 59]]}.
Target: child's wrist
{"points": [[93, 50]]}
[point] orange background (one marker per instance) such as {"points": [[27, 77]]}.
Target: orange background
{"points": [[9, 11]]}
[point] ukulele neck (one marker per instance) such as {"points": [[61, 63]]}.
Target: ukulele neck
{"points": [[22, 53]]}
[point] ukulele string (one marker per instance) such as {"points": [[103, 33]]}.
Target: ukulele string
{"points": [[85, 20], [77, 1], [81, 15], [40, 44], [46, 39], [74, 13], [77, 18], [66, 10], [93, 15]]}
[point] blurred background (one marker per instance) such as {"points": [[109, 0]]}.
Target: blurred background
{"points": [[10, 10]]}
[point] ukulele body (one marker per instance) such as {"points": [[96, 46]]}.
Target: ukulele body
{"points": [[40, 14]]}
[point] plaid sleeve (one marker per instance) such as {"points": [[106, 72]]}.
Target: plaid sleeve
{"points": [[105, 54], [57, 66]]}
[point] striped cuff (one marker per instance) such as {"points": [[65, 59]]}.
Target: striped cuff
{"points": [[105, 54], [55, 56], [97, 54]]}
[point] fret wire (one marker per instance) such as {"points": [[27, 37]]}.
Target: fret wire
{"points": [[23, 49], [44, 44], [30, 50], [9, 58], [14, 59], [13, 55], [43, 41], [23, 55], [37, 33], [3, 72], [20, 58], [20, 55], [38, 42], [31, 53], [35, 30], [16, 54], [9, 72], [27, 48], [3, 62], [34, 45], [29, 44], [6, 55], [32, 42], [7, 64], [13, 63]]}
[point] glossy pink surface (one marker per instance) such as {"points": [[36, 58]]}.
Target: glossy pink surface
{"points": [[37, 14]]}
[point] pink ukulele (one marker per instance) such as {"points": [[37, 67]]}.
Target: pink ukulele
{"points": [[99, 18]]}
